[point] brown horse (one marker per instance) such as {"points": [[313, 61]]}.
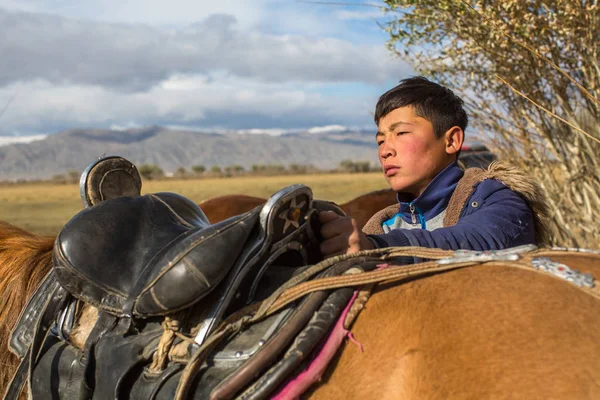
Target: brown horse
{"points": [[491, 331], [361, 208], [25, 259], [475, 333]]}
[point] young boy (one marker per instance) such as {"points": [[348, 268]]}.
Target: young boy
{"points": [[420, 133]]}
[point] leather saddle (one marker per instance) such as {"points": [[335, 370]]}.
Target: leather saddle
{"points": [[147, 255], [141, 259], [128, 253]]}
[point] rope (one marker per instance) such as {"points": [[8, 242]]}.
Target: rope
{"points": [[385, 253], [160, 357], [190, 370], [359, 303]]}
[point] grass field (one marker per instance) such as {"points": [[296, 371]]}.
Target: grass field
{"points": [[44, 208]]}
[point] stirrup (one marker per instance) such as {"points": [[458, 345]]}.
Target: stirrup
{"points": [[108, 178], [286, 223]]}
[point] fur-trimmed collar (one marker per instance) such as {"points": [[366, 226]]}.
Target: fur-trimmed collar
{"points": [[511, 176]]}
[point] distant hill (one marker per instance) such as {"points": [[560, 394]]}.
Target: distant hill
{"points": [[171, 149]]}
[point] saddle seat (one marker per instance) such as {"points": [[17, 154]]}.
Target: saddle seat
{"points": [[147, 255]]}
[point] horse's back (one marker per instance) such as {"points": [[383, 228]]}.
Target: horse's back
{"points": [[365, 206], [483, 332], [360, 208], [220, 208]]}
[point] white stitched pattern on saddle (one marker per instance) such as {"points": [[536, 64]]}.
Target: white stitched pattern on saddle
{"points": [[563, 271], [510, 254]]}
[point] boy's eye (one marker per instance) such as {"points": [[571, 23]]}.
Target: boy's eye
{"points": [[401, 133], [379, 142]]}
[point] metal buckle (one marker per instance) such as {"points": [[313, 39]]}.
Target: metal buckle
{"points": [[510, 254]]}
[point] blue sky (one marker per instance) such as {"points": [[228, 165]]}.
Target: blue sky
{"points": [[228, 64]]}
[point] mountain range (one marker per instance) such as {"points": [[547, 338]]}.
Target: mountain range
{"points": [[169, 148]]}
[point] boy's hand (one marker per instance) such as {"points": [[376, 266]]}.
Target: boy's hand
{"points": [[341, 235]]}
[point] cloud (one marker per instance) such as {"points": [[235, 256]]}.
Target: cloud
{"points": [[136, 57], [359, 15], [151, 12], [267, 65], [220, 100], [317, 130], [6, 140]]}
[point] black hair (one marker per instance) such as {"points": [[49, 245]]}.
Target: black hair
{"points": [[436, 103]]}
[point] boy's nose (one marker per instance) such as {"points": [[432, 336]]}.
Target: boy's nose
{"points": [[386, 151]]}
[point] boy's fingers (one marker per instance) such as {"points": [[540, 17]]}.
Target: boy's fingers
{"points": [[336, 227], [328, 216], [331, 246]]}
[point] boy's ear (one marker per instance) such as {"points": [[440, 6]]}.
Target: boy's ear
{"points": [[454, 138]]}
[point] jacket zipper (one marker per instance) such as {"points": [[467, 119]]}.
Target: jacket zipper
{"points": [[413, 217]]}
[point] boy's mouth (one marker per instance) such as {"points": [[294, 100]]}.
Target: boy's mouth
{"points": [[391, 170]]}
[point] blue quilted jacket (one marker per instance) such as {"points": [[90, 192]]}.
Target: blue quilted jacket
{"points": [[493, 218]]}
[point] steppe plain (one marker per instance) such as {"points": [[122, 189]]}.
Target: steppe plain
{"points": [[43, 208]]}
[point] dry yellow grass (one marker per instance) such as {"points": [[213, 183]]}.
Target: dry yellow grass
{"points": [[45, 208]]}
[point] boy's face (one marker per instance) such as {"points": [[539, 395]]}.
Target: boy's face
{"points": [[410, 153]]}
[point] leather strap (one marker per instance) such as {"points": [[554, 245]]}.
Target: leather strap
{"points": [[255, 365], [24, 330], [359, 258], [393, 274], [49, 312], [262, 359], [15, 387], [303, 346]]}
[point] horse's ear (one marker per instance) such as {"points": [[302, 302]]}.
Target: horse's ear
{"points": [[109, 178]]}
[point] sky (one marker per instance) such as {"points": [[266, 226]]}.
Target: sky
{"points": [[198, 64]]}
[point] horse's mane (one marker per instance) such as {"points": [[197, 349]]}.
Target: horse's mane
{"points": [[25, 259]]}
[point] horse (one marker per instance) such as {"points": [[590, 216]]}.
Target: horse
{"points": [[484, 331], [361, 208], [481, 332], [25, 259]]}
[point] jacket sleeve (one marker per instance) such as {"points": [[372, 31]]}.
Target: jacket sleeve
{"points": [[497, 220]]}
